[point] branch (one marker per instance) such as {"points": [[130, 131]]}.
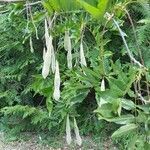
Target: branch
{"points": [[34, 3], [124, 41], [142, 98]]}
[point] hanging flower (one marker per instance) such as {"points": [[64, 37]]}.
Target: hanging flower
{"points": [[76, 130], [67, 46], [47, 58], [103, 85], [82, 57], [56, 93], [102, 101], [67, 41], [46, 65], [31, 45], [53, 65], [69, 59], [49, 22], [68, 131]]}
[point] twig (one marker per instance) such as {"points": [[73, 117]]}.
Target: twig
{"points": [[27, 12], [138, 47], [36, 32], [127, 48], [50, 21], [125, 43], [34, 3], [5, 11], [134, 32], [142, 98]]}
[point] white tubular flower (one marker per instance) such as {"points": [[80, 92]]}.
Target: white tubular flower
{"points": [[82, 57], [103, 85], [102, 101], [53, 65], [68, 131], [49, 22], [76, 130], [47, 58], [46, 65], [47, 55], [68, 48], [49, 44], [69, 59], [31, 45], [67, 41], [56, 94]]}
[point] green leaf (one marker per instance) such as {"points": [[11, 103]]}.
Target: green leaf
{"points": [[102, 6], [132, 142], [124, 130], [79, 97], [105, 111], [145, 108], [55, 5], [59, 5], [47, 6], [49, 105], [3, 94], [146, 146], [116, 106], [51, 5], [95, 12], [128, 104], [145, 21], [142, 117], [124, 119], [69, 5]]}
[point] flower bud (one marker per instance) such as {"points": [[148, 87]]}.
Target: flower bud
{"points": [[56, 94], [68, 131], [82, 57], [76, 130], [31, 45]]}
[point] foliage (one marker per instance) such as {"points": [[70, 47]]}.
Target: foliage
{"points": [[27, 99]]}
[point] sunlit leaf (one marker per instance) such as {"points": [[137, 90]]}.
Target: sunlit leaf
{"points": [[124, 130]]}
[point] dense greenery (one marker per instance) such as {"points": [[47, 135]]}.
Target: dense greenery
{"points": [[112, 88]]}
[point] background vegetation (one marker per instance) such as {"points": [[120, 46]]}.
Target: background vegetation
{"points": [[116, 41]]}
